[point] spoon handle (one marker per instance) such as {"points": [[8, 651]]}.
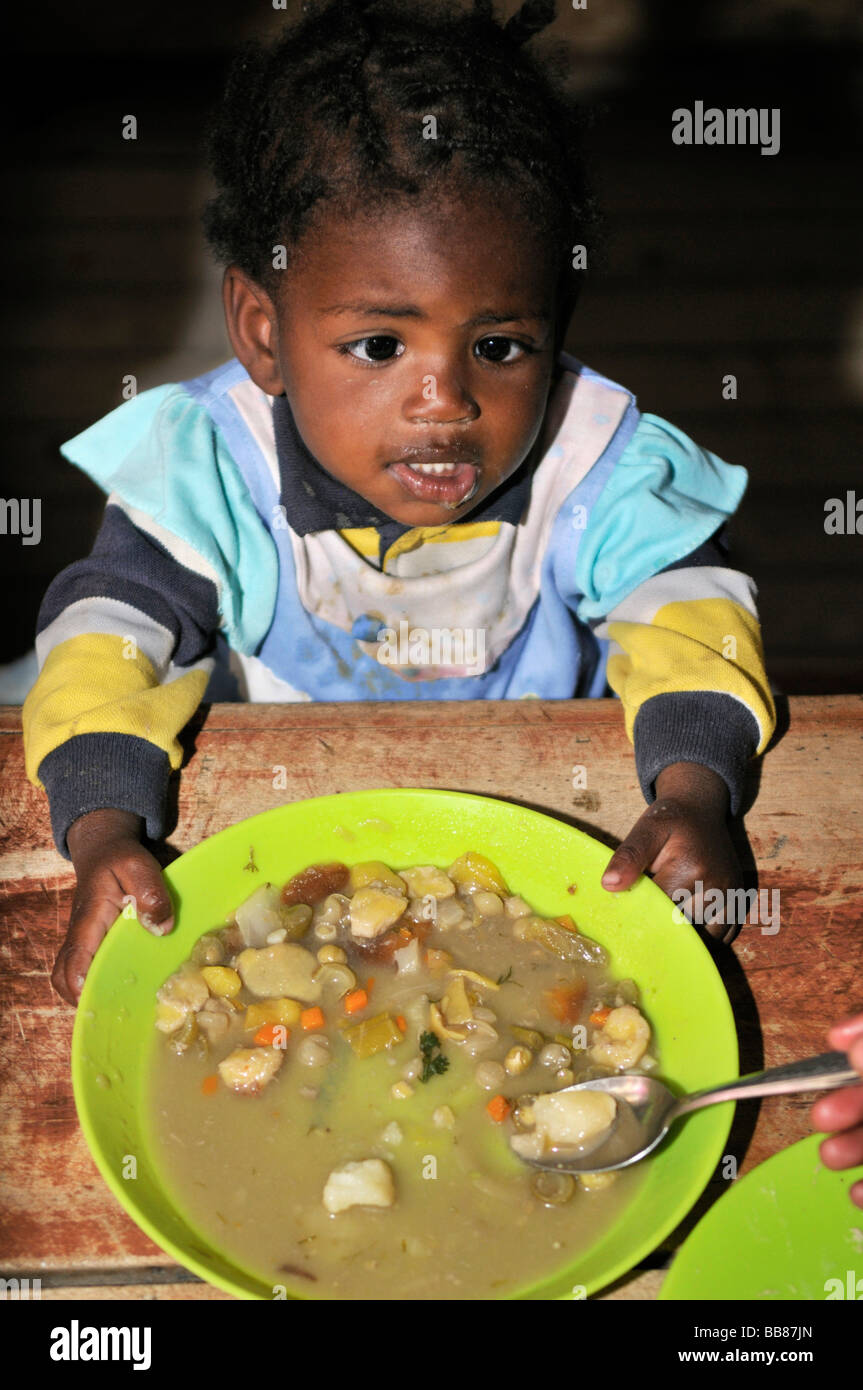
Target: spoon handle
{"points": [[822, 1073]]}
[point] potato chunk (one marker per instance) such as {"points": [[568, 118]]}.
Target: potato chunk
{"points": [[373, 1035], [455, 1004], [595, 1182], [284, 1011], [623, 1040], [450, 914], [183, 994], [473, 872], [425, 880], [572, 1118], [368, 1183], [215, 1020], [249, 1069], [222, 982], [374, 910], [280, 971], [374, 871]]}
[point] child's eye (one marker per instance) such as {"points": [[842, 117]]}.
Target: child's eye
{"points": [[378, 345], [499, 343]]}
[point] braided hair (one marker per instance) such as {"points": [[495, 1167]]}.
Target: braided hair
{"points": [[334, 112]]}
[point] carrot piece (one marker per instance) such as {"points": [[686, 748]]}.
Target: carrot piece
{"points": [[565, 1001], [598, 1017], [269, 1033], [401, 1023], [355, 1001], [566, 921], [312, 1018], [210, 1084], [498, 1108]]}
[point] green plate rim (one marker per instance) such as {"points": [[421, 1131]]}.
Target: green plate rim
{"points": [[790, 1155], [125, 1194]]}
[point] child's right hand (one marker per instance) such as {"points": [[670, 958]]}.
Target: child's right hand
{"points": [[111, 866], [842, 1111]]}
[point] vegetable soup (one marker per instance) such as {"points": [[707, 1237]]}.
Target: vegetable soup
{"points": [[353, 1071]]}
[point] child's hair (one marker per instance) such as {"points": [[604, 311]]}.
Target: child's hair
{"points": [[336, 111]]}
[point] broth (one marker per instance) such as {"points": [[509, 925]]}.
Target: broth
{"points": [[468, 1220]]}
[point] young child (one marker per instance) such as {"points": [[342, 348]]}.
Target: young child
{"points": [[400, 488]]}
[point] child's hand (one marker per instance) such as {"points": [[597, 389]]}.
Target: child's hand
{"points": [[682, 839], [843, 1110], [111, 866]]}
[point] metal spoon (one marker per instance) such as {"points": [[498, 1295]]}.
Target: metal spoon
{"points": [[646, 1109]]}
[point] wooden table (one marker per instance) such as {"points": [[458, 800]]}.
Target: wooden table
{"points": [[60, 1222]]}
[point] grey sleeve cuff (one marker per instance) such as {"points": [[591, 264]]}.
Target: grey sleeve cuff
{"points": [[695, 726], [93, 771]]}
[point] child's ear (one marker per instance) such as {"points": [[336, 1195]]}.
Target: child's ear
{"points": [[250, 317]]}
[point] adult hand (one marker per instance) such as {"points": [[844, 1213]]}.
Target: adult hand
{"points": [[842, 1111]]}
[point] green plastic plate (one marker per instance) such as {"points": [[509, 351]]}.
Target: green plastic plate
{"points": [[540, 857], [786, 1231]]}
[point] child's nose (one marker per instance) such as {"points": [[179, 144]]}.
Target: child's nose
{"points": [[441, 396]]}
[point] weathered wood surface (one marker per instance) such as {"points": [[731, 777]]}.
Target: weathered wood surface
{"points": [[58, 1218]]}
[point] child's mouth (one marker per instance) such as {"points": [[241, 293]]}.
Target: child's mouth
{"points": [[448, 484]]}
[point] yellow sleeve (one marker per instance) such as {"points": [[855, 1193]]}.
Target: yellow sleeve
{"points": [[709, 644], [100, 682], [686, 659]]}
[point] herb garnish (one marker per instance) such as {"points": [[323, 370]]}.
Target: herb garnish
{"points": [[502, 979], [432, 1065]]}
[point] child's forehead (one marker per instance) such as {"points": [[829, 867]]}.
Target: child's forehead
{"points": [[459, 213], [469, 248]]}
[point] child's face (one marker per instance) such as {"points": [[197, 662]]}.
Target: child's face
{"points": [[420, 337]]}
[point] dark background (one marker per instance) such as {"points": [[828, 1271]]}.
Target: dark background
{"points": [[721, 260]]}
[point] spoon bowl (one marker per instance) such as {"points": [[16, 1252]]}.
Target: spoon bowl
{"points": [[646, 1109]]}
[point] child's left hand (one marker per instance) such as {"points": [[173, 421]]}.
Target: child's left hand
{"points": [[682, 840]]}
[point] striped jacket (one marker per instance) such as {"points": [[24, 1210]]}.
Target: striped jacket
{"points": [[230, 565]]}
